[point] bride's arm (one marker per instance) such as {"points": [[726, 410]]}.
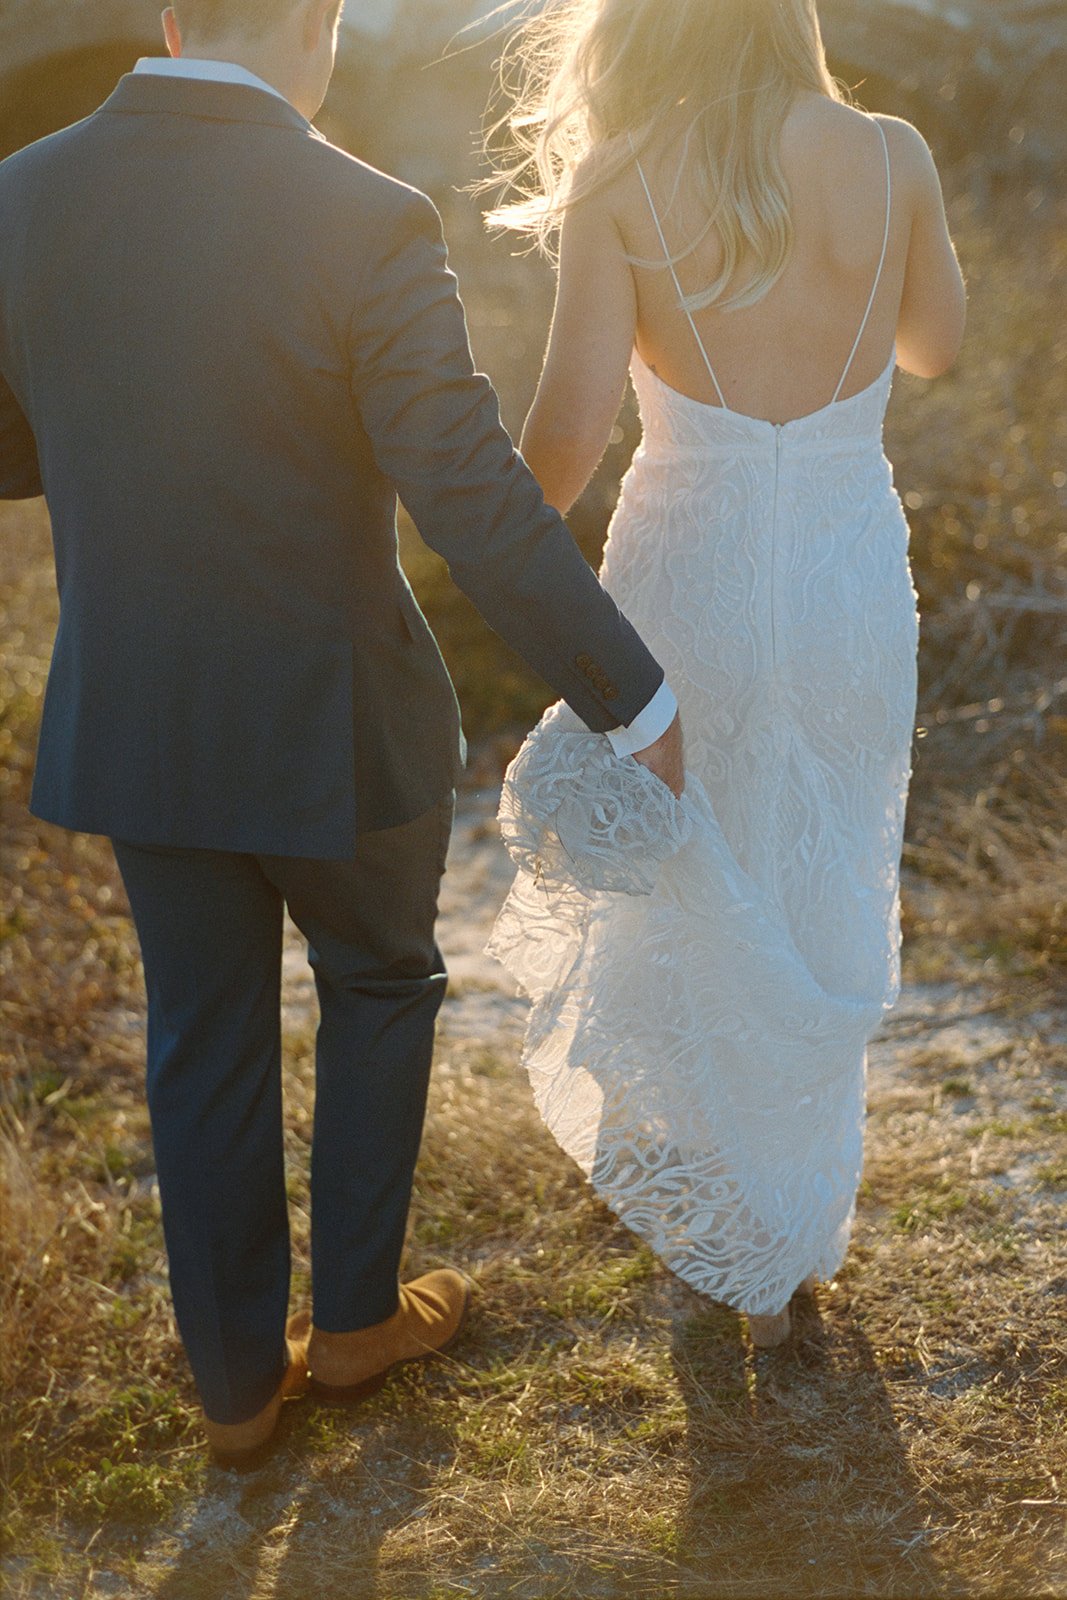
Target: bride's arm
{"points": [[933, 304], [589, 349]]}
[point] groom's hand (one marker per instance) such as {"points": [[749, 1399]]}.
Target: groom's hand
{"points": [[666, 758]]}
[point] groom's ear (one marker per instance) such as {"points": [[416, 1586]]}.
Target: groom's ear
{"points": [[319, 15], [172, 33]]}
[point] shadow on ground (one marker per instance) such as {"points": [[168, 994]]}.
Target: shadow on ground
{"points": [[313, 1522], [799, 1475]]}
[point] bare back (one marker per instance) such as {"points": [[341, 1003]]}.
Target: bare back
{"points": [[784, 356]]}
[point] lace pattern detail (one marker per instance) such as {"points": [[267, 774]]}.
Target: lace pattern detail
{"points": [[573, 814], [704, 980]]}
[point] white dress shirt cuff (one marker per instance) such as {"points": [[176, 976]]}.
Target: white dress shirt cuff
{"points": [[648, 725]]}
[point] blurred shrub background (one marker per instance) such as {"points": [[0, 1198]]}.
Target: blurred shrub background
{"points": [[980, 455]]}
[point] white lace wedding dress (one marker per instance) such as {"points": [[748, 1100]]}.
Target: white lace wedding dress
{"points": [[700, 1050]]}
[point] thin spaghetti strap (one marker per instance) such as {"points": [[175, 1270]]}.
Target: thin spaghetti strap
{"points": [[678, 288], [881, 264]]}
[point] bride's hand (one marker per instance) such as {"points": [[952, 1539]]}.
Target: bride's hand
{"points": [[666, 758]]}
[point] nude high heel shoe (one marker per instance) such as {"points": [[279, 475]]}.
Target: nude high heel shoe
{"points": [[767, 1332]]}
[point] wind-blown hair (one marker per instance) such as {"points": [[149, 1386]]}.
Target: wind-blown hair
{"points": [[591, 83]]}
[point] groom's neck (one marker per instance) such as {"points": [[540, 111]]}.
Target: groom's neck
{"points": [[255, 55], [295, 58]]}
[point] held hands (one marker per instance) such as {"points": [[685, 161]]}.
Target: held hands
{"points": [[666, 758]]}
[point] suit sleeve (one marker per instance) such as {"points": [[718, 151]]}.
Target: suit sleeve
{"points": [[20, 473], [435, 428]]}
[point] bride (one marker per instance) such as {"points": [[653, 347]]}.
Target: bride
{"points": [[759, 255]]}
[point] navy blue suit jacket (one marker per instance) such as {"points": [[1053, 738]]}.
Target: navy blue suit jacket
{"points": [[225, 347]]}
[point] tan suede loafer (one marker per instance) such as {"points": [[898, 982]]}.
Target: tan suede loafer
{"points": [[346, 1367], [241, 1446]]}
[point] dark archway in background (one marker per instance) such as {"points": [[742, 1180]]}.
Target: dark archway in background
{"points": [[59, 89], [65, 85]]}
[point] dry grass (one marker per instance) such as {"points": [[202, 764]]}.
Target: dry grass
{"points": [[601, 1431]]}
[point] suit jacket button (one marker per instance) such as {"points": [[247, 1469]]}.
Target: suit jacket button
{"points": [[584, 662], [611, 693]]}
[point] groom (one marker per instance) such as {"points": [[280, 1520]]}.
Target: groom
{"points": [[225, 348]]}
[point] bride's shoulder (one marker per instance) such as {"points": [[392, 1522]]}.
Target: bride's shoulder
{"points": [[904, 140], [816, 117], [915, 175], [602, 190], [838, 132], [615, 171]]}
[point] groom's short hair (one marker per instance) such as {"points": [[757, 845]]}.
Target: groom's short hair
{"points": [[208, 17]]}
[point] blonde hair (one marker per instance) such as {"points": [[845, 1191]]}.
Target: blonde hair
{"points": [[593, 82]]}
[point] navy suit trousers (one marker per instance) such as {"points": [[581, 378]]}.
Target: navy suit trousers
{"points": [[210, 927]]}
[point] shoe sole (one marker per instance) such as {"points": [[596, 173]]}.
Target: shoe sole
{"points": [[259, 1454], [350, 1394], [245, 1460]]}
